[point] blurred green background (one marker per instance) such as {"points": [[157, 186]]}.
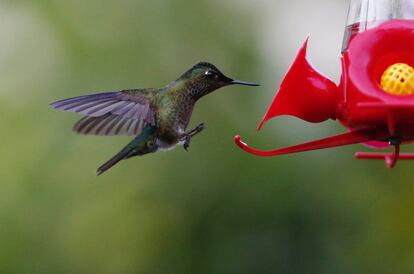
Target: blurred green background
{"points": [[215, 209]]}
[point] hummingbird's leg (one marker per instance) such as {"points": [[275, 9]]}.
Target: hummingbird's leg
{"points": [[199, 128], [188, 135]]}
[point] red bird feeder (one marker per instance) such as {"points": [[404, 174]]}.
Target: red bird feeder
{"points": [[375, 97]]}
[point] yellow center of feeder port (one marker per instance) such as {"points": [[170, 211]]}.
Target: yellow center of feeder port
{"points": [[398, 79]]}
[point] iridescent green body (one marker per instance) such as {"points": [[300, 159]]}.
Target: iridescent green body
{"points": [[174, 104]]}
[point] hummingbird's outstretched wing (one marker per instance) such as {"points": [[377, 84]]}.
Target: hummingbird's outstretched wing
{"points": [[110, 113]]}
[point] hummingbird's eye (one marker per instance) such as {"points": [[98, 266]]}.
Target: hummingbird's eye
{"points": [[212, 74]]}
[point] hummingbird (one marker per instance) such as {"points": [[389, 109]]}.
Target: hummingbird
{"points": [[158, 117]]}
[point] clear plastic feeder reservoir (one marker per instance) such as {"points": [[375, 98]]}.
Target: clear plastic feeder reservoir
{"points": [[366, 14]]}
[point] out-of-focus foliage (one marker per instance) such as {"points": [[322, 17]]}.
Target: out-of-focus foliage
{"points": [[212, 210]]}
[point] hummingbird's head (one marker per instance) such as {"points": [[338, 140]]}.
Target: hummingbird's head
{"points": [[204, 78]]}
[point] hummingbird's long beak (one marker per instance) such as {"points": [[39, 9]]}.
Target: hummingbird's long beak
{"points": [[237, 82]]}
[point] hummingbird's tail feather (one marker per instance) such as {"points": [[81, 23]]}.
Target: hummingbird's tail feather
{"points": [[139, 146], [115, 159]]}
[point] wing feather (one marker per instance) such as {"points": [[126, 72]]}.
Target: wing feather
{"points": [[110, 113]]}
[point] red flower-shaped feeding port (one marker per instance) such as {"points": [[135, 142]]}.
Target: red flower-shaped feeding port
{"points": [[374, 100]]}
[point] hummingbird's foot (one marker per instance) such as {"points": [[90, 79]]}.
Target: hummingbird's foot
{"points": [[187, 136], [187, 140]]}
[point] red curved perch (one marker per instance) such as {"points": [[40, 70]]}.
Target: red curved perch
{"points": [[389, 158], [353, 137]]}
